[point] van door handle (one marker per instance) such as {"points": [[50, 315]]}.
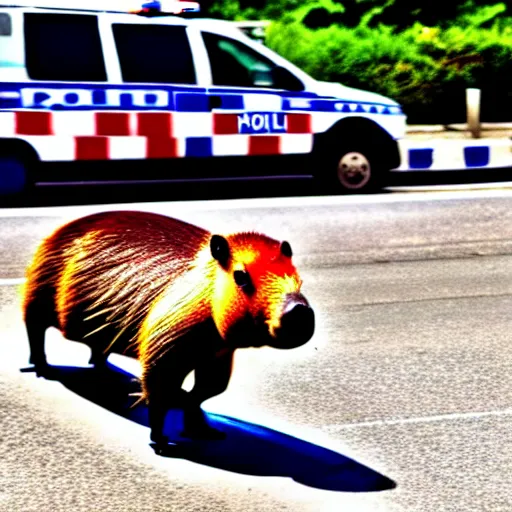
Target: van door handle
{"points": [[214, 102]]}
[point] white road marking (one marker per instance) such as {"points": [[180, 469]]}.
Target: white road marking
{"points": [[12, 281], [175, 207], [420, 419], [455, 187]]}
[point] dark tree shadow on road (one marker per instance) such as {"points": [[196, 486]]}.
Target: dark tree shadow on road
{"points": [[247, 449]]}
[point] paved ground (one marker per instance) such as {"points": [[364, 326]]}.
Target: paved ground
{"points": [[400, 403]]}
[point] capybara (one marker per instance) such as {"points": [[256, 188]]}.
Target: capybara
{"points": [[169, 293]]}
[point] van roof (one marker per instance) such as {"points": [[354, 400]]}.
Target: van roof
{"points": [[119, 8], [108, 7]]}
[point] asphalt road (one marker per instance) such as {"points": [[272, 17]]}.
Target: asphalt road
{"points": [[401, 402]]}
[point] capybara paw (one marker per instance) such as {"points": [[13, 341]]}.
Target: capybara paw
{"points": [[204, 432], [40, 369], [165, 449], [100, 365], [159, 439], [162, 446], [98, 361]]}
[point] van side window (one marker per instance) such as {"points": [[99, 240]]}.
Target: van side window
{"points": [[11, 55], [154, 53], [235, 64], [64, 47]]}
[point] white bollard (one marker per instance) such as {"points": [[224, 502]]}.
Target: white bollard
{"points": [[473, 111]]}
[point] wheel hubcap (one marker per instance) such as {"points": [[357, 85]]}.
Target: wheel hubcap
{"points": [[354, 170]]}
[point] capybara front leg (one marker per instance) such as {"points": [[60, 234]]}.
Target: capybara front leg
{"points": [[162, 392], [157, 406], [156, 416], [211, 379], [157, 412]]}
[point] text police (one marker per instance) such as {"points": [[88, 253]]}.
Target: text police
{"points": [[261, 122]]}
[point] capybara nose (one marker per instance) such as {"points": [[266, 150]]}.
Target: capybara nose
{"points": [[297, 324]]}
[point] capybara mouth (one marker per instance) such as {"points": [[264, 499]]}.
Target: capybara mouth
{"points": [[297, 324]]}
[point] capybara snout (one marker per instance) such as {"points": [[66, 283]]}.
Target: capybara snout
{"points": [[172, 294], [297, 323]]}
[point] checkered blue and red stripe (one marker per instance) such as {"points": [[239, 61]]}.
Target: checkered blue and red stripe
{"points": [[104, 135]]}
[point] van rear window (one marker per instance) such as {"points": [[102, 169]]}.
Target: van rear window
{"points": [[64, 47]]}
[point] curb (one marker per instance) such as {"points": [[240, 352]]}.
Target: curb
{"points": [[466, 187], [456, 127], [455, 154]]}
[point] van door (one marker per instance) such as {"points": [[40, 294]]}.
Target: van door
{"points": [[151, 53], [247, 98]]}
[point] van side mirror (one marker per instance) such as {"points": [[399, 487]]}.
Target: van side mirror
{"points": [[262, 78]]}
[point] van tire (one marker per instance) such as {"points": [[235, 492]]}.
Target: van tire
{"points": [[14, 177], [353, 169]]}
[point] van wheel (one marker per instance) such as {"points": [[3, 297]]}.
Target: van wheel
{"points": [[14, 182], [353, 170]]}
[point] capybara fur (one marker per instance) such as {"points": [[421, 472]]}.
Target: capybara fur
{"points": [[170, 294]]}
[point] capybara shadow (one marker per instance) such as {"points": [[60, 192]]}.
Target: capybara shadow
{"points": [[247, 448]]}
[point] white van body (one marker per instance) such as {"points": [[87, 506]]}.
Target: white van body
{"points": [[91, 85]]}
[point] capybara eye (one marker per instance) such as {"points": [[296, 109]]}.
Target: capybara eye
{"points": [[220, 249], [286, 249], [242, 278]]}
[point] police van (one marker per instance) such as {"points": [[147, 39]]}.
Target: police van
{"points": [[112, 91]]}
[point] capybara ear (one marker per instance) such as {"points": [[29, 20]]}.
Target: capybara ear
{"points": [[220, 249], [286, 249]]}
